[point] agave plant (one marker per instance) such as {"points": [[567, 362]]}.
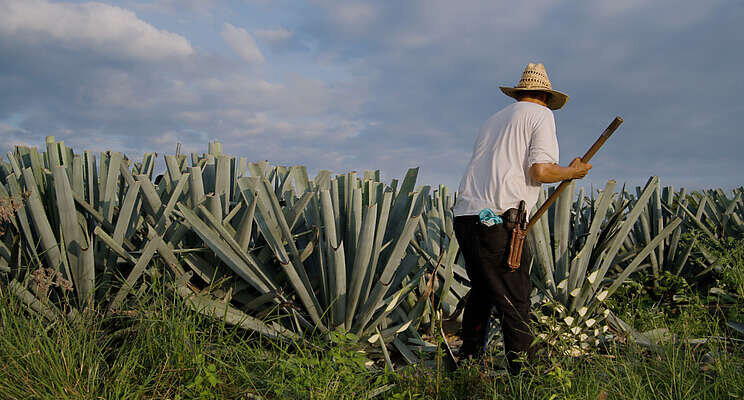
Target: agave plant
{"points": [[717, 215], [717, 218], [236, 240], [664, 206], [435, 242], [577, 264], [244, 241]]}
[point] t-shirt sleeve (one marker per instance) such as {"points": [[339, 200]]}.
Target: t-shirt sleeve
{"points": [[544, 143]]}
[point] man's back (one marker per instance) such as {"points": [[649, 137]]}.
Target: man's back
{"points": [[514, 153], [497, 176]]}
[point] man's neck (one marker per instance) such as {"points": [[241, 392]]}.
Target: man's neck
{"points": [[536, 101]]}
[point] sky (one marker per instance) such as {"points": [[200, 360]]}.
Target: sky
{"points": [[389, 85]]}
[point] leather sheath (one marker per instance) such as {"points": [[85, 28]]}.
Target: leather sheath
{"points": [[515, 247]]}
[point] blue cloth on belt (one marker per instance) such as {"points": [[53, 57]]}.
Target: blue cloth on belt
{"points": [[488, 217]]}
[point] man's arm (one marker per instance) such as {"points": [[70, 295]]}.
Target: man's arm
{"points": [[549, 173]]}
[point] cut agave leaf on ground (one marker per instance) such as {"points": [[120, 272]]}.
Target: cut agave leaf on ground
{"points": [[217, 309]]}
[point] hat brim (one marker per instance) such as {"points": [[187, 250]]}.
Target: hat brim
{"points": [[556, 100]]}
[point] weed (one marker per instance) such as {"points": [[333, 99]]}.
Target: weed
{"points": [[8, 206]]}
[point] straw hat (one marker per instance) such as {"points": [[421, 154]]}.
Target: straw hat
{"points": [[534, 78]]}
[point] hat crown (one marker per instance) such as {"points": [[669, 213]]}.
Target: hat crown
{"points": [[534, 77]]}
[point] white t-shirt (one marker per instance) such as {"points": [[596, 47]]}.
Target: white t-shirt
{"points": [[498, 176]]}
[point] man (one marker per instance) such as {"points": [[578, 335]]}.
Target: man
{"points": [[516, 151]]}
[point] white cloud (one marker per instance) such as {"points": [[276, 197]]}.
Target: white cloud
{"points": [[89, 26], [11, 136], [274, 35], [354, 14], [203, 7], [386, 85], [351, 16], [667, 14], [242, 43], [126, 91], [479, 16]]}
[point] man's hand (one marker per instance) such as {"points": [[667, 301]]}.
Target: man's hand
{"points": [[581, 168], [549, 173]]}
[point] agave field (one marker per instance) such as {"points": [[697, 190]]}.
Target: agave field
{"points": [[287, 256]]}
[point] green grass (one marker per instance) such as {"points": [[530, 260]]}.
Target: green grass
{"points": [[673, 370], [167, 351], [163, 350], [732, 274]]}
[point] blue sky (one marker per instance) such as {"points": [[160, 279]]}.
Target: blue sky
{"points": [[355, 85]]}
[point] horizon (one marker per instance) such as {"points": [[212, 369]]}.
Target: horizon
{"points": [[588, 185]]}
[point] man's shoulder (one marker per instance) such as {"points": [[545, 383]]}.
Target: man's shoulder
{"points": [[520, 110]]}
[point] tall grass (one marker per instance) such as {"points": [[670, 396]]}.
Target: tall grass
{"points": [[675, 369], [163, 350], [48, 360], [733, 270]]}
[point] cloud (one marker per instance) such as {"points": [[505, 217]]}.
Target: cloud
{"points": [[242, 43], [96, 99], [666, 14], [274, 35], [354, 14], [11, 136], [175, 7], [96, 27], [388, 85], [434, 68]]}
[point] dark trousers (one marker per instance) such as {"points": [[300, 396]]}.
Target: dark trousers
{"points": [[493, 284]]}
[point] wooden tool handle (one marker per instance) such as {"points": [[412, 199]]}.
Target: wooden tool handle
{"points": [[602, 138], [587, 157]]}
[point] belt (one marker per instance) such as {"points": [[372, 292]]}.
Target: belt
{"points": [[509, 216]]}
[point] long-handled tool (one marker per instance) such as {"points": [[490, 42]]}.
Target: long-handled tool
{"points": [[519, 234]]}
